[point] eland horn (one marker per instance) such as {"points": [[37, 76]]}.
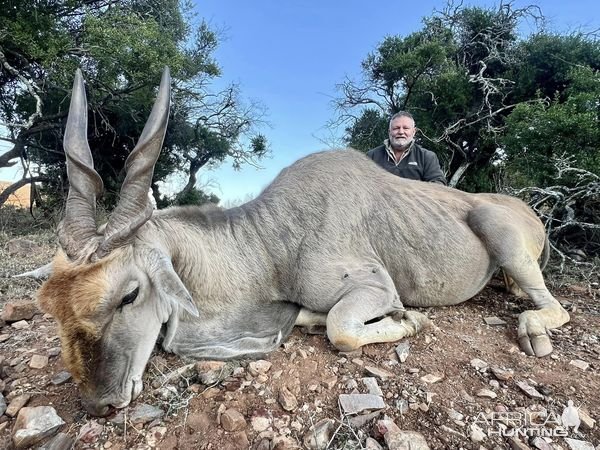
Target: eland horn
{"points": [[134, 208], [79, 224]]}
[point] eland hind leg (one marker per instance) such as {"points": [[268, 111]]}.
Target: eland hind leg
{"points": [[515, 247]]}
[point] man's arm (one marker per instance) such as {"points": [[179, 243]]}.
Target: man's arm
{"points": [[433, 171]]}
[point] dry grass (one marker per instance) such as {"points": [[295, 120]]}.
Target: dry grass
{"points": [[18, 224]]}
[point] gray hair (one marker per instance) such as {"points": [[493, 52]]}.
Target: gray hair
{"points": [[402, 114]]}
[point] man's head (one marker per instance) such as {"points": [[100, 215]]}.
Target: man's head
{"points": [[401, 130]]}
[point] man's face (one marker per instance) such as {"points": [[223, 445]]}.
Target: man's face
{"points": [[401, 132]]}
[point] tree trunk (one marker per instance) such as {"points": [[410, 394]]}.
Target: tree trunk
{"points": [[456, 177], [6, 193], [13, 153]]}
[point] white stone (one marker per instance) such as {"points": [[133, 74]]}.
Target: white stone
{"points": [[34, 424]]}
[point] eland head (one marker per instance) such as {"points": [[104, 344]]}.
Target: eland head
{"points": [[109, 291]]}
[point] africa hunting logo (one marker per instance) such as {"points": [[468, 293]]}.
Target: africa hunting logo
{"points": [[528, 423]]}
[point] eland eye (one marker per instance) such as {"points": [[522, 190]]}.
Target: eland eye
{"points": [[130, 298]]}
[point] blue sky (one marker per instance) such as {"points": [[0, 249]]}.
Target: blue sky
{"points": [[290, 55]]}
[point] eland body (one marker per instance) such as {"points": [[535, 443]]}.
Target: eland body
{"points": [[334, 240]]}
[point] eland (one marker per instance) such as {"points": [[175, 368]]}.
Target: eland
{"points": [[334, 241]]}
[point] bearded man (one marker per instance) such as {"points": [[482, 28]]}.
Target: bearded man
{"points": [[401, 156]]}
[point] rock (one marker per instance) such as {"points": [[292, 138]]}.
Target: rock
{"points": [[454, 415], [167, 392], [541, 444], [53, 352], [198, 422], [34, 424], [61, 441], [144, 413], [3, 404], [222, 408], [15, 311], [432, 378], [379, 373], [233, 420], [155, 435], [60, 378], [89, 432], [576, 444], [330, 382], [352, 353], [405, 440], [4, 337], [402, 405], [476, 434], [357, 403], [372, 444], [38, 361], [20, 325], [587, 422], [351, 384], [260, 423], [238, 441], [529, 390], [210, 372], [263, 444], [402, 350], [372, 386], [516, 444], [284, 443], [486, 393], [257, 367], [319, 435], [494, 321], [287, 400], [501, 374], [21, 247], [361, 420], [580, 364], [383, 426], [16, 404], [479, 364]]}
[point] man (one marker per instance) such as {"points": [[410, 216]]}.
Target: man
{"points": [[401, 156]]}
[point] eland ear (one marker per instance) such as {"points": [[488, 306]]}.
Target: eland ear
{"points": [[40, 273], [174, 290], [168, 282]]}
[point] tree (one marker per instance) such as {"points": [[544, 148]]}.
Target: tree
{"points": [[453, 75], [522, 114], [121, 47]]}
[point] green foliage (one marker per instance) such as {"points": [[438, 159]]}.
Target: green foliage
{"points": [[475, 85], [368, 131], [538, 133], [122, 48], [194, 196]]}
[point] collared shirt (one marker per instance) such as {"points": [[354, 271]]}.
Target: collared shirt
{"points": [[417, 163], [392, 154]]}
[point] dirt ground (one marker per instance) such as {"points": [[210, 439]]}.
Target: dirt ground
{"points": [[316, 374]]}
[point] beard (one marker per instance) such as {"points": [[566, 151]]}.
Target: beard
{"points": [[401, 142]]}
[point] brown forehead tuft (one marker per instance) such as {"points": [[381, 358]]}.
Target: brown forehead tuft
{"points": [[73, 291]]}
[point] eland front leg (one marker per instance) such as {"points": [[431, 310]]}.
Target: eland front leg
{"points": [[349, 326]]}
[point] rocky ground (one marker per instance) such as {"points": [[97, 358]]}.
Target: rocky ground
{"points": [[461, 384]]}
